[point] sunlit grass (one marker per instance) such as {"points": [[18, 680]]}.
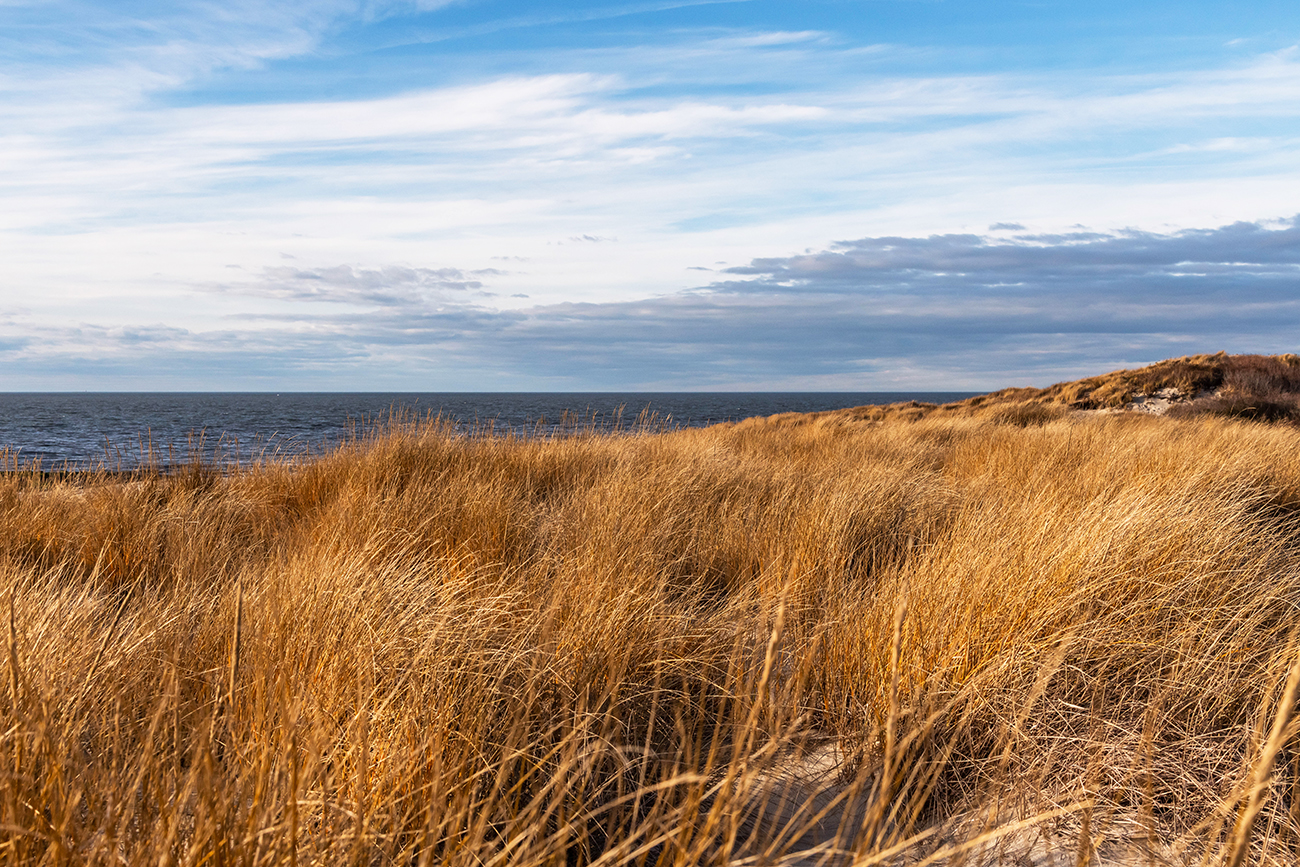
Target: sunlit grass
{"points": [[939, 639]]}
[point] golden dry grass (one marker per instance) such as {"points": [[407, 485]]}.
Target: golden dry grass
{"points": [[1070, 637]]}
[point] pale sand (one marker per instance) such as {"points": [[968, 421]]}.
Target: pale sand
{"points": [[809, 813]]}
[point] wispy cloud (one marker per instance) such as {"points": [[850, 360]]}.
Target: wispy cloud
{"points": [[391, 286], [600, 12]]}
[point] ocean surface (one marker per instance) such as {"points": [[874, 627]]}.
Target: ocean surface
{"points": [[115, 429]]}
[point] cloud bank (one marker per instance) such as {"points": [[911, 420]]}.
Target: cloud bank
{"points": [[944, 311]]}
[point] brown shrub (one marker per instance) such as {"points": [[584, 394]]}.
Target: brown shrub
{"points": [[1255, 387]]}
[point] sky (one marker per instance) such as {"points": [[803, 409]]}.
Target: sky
{"points": [[675, 195]]}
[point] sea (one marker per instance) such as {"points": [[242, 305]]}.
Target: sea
{"points": [[122, 430]]}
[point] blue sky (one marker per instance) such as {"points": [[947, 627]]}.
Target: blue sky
{"points": [[835, 195]]}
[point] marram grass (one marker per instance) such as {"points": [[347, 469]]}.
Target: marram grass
{"points": [[948, 641]]}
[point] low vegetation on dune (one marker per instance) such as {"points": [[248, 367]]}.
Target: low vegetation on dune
{"points": [[1260, 387], [950, 640]]}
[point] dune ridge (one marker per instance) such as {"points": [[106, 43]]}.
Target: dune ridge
{"points": [[1259, 387]]}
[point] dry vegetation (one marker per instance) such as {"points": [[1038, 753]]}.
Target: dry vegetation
{"points": [[946, 641], [1259, 387]]}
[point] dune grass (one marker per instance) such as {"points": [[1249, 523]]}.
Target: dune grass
{"points": [[942, 641], [1253, 387]]}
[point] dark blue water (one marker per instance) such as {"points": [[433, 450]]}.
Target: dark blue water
{"points": [[116, 428]]}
